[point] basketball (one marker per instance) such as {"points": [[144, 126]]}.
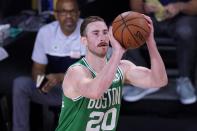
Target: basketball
{"points": [[130, 29]]}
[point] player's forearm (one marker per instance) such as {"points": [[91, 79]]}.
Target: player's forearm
{"points": [[157, 65], [104, 78]]}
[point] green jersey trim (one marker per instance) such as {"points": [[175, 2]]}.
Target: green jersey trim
{"points": [[77, 98], [88, 66], [121, 73]]}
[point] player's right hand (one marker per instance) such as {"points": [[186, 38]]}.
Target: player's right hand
{"points": [[114, 43]]}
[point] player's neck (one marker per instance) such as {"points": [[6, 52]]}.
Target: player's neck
{"points": [[97, 63]]}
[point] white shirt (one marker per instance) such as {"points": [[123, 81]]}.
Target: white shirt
{"points": [[51, 40]]}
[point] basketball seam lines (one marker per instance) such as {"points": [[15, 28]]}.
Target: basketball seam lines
{"points": [[128, 19], [122, 40], [128, 30], [131, 24], [120, 19]]}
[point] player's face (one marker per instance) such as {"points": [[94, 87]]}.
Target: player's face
{"points": [[97, 38], [67, 14]]}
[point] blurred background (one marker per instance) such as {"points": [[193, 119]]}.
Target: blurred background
{"points": [[20, 21]]}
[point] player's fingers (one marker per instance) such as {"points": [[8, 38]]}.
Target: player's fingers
{"points": [[110, 34], [110, 31], [150, 23], [147, 18]]}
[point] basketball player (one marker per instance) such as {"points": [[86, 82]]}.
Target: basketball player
{"points": [[92, 86]]}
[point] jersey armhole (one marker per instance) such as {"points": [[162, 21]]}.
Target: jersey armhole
{"points": [[78, 97], [121, 74]]}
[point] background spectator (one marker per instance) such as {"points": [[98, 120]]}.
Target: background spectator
{"points": [[177, 20], [57, 46]]}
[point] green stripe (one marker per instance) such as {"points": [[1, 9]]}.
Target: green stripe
{"points": [[77, 98], [121, 73], [88, 66]]}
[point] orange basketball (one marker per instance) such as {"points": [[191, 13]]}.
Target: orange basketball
{"points": [[130, 29]]}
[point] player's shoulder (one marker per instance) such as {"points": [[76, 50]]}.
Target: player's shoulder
{"points": [[74, 69], [77, 70]]}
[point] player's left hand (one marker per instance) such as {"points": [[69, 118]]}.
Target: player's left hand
{"points": [[150, 24]]}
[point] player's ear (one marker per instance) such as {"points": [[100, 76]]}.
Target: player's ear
{"points": [[84, 40]]}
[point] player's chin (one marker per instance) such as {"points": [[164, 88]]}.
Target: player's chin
{"points": [[102, 54], [104, 48]]}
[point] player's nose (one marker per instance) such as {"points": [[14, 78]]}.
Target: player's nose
{"points": [[102, 37]]}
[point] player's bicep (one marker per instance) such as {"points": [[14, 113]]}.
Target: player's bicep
{"points": [[75, 80], [135, 75]]}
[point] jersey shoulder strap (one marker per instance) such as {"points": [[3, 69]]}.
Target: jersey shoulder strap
{"points": [[83, 62]]}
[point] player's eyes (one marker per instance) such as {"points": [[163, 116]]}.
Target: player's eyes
{"points": [[105, 33], [95, 33]]}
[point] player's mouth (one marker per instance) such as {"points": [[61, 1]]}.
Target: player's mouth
{"points": [[102, 44]]}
